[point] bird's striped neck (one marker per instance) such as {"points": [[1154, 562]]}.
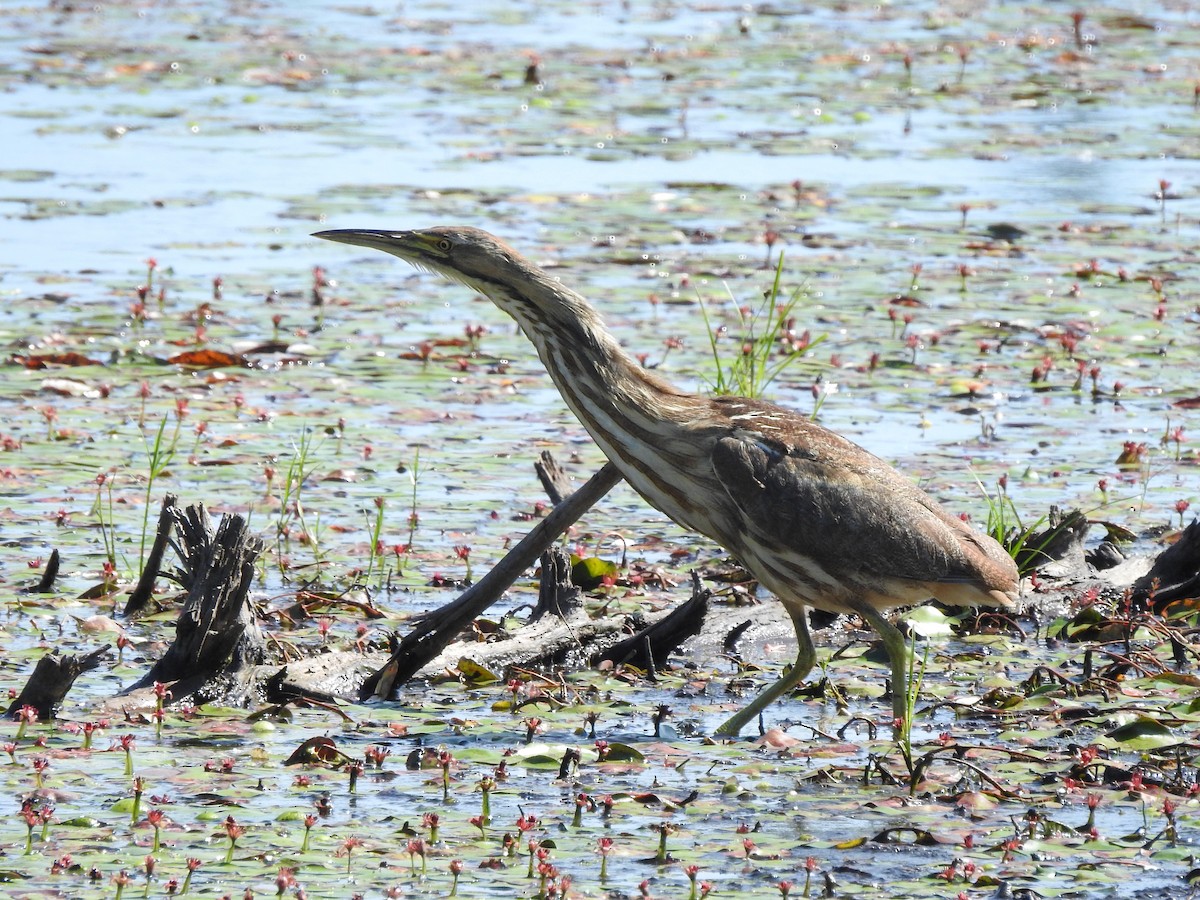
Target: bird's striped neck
{"points": [[641, 422]]}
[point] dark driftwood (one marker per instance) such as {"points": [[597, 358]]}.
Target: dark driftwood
{"points": [[46, 583], [1175, 574], [52, 678], [555, 481], [563, 634], [549, 643], [1060, 543], [217, 639], [557, 593], [436, 631], [139, 598], [650, 647]]}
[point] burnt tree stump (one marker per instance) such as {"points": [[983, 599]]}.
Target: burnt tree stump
{"points": [[1060, 544], [557, 593], [217, 639]]}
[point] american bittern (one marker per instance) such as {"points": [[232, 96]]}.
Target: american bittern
{"points": [[815, 518]]}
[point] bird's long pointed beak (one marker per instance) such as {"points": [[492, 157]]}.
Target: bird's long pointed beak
{"points": [[420, 248], [429, 251], [363, 237]]}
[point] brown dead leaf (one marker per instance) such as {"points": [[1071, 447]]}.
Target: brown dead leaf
{"points": [[98, 624], [974, 800], [207, 359], [42, 360], [777, 739]]}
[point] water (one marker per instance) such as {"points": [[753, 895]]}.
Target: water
{"points": [[216, 137]]}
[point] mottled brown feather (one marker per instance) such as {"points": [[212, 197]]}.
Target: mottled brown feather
{"points": [[794, 484]]}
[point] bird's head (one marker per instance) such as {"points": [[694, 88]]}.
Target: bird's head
{"points": [[486, 264], [467, 255]]}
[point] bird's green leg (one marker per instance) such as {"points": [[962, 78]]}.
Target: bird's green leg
{"points": [[897, 651], [806, 658]]}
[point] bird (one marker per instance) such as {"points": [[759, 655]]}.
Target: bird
{"points": [[816, 519]]}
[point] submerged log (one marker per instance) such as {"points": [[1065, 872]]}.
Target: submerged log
{"points": [[46, 583], [549, 643], [559, 633], [52, 678]]}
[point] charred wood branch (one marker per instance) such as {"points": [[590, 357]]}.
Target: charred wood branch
{"points": [[139, 598], [46, 582], [1175, 574], [650, 647], [729, 644], [1061, 544], [557, 594], [541, 646], [574, 640], [217, 639], [1106, 555], [52, 678], [280, 690], [436, 631], [555, 481]]}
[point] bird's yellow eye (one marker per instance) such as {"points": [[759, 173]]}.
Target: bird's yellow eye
{"points": [[443, 245]]}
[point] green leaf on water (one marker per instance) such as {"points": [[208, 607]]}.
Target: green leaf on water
{"points": [[588, 573], [475, 674], [82, 822], [618, 752], [929, 622], [1143, 733]]}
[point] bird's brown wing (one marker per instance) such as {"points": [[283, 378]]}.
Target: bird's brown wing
{"points": [[822, 496]]}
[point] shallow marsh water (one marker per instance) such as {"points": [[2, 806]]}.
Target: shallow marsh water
{"points": [[657, 146]]}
